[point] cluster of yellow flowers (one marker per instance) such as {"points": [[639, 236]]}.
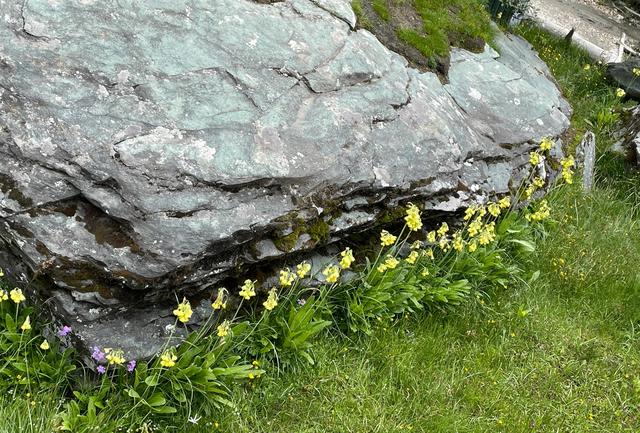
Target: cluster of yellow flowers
{"points": [[183, 312], [620, 93], [248, 290], [115, 357], [303, 269], [331, 273], [223, 329], [543, 212], [287, 277], [168, 359], [16, 295], [413, 219], [387, 238], [567, 168], [636, 72], [272, 300], [389, 263], [221, 302], [347, 258]]}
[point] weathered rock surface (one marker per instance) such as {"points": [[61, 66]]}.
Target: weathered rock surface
{"points": [[622, 74], [153, 148]]}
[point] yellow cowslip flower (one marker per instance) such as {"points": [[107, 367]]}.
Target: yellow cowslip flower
{"points": [[494, 209], [26, 325], [272, 300], [636, 72], [534, 158], [412, 257], [223, 329], [458, 243], [387, 238], [183, 312], [567, 168], [287, 277], [347, 258], [303, 269], [475, 227], [425, 272], [416, 245], [391, 262], [504, 203], [543, 212], [247, 291], [546, 144], [429, 253], [412, 219], [115, 357], [443, 243], [469, 213], [45, 345], [482, 211], [487, 235], [255, 363], [538, 182], [587, 67], [331, 273], [3, 295], [221, 302], [1, 273], [473, 246], [17, 296], [620, 93], [443, 230], [168, 359], [431, 237], [529, 191]]}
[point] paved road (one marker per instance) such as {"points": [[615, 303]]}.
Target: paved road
{"points": [[599, 24]]}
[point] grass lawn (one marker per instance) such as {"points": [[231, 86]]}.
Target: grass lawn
{"points": [[556, 352]]}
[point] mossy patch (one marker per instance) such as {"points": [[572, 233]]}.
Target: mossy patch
{"points": [[423, 31]]}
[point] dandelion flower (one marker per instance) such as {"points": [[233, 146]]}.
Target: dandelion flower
{"points": [[303, 269], [17, 296], [387, 238], [248, 290], [412, 219], [272, 300], [347, 258], [331, 273], [45, 345]]}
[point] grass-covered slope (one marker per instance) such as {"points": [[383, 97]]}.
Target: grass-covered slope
{"points": [[423, 31]]}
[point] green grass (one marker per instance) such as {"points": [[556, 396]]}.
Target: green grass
{"points": [[380, 8], [557, 353]]}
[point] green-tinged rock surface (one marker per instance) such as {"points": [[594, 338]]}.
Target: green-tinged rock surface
{"points": [[150, 149]]}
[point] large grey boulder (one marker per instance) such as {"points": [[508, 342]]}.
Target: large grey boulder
{"points": [[151, 149], [623, 75]]}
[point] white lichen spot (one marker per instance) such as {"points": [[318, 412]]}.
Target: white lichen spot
{"points": [[516, 101], [475, 94]]}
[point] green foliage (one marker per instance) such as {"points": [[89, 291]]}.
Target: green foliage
{"points": [[380, 7]]}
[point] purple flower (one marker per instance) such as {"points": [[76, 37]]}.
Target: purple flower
{"points": [[301, 302], [131, 365], [98, 354], [101, 369], [64, 331]]}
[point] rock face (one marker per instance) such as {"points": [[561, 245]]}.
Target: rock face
{"points": [[622, 74], [152, 149]]}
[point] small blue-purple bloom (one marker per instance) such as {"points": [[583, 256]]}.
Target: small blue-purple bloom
{"points": [[98, 354], [131, 365], [101, 369], [64, 331]]}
